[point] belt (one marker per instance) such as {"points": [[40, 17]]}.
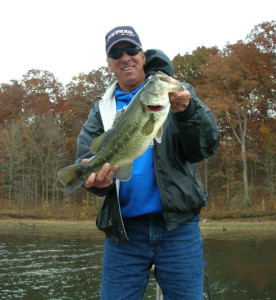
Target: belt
{"points": [[145, 217]]}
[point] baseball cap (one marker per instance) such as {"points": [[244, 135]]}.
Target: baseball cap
{"points": [[119, 34]]}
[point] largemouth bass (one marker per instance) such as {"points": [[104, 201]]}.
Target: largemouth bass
{"points": [[133, 131]]}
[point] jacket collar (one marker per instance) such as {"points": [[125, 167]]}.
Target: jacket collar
{"points": [[107, 106]]}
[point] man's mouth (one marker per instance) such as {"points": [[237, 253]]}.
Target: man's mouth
{"points": [[127, 68]]}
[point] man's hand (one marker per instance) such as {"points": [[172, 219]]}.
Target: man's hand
{"points": [[103, 179], [180, 100]]}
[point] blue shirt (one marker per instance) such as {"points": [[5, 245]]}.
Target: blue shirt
{"points": [[140, 195]]}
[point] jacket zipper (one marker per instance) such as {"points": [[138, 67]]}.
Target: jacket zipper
{"points": [[121, 218], [156, 173]]}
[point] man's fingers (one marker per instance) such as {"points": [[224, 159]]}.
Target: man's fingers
{"points": [[108, 177], [103, 172], [178, 97], [90, 180], [179, 100], [112, 171], [103, 178]]}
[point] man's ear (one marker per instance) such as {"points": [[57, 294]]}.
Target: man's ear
{"points": [[144, 58], [108, 65]]}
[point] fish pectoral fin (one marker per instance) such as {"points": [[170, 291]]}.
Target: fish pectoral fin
{"points": [[124, 173], [149, 126], [158, 136], [98, 142]]}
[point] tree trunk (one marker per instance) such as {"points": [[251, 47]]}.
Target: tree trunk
{"points": [[241, 140], [206, 174], [245, 179], [271, 184]]}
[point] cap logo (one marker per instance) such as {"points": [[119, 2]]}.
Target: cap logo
{"points": [[121, 32]]}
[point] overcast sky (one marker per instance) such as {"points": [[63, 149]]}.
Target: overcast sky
{"points": [[66, 37]]}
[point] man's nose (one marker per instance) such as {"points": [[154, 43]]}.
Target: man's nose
{"points": [[125, 55]]}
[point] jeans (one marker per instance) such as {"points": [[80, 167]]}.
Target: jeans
{"points": [[176, 254]]}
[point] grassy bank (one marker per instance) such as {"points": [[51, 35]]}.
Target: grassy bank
{"points": [[9, 222], [206, 224], [239, 224]]}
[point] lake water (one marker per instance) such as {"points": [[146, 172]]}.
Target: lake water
{"points": [[66, 264]]}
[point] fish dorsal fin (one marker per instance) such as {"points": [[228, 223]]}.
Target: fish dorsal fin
{"points": [[98, 142], [124, 173], [149, 126], [158, 136], [118, 116]]}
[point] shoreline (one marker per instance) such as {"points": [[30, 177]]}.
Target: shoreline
{"points": [[14, 223], [205, 223]]}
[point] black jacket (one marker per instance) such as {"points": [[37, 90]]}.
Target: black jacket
{"points": [[188, 138]]}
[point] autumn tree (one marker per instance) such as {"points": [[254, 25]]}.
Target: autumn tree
{"points": [[233, 78], [188, 67], [11, 152], [238, 84], [230, 80], [44, 93], [12, 99], [263, 36], [268, 156], [82, 92]]}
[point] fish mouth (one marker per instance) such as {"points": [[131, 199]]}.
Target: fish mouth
{"points": [[155, 107]]}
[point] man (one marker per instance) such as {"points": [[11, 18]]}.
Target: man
{"points": [[153, 217]]}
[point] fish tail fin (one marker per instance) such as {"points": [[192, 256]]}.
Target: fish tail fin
{"points": [[71, 177]]}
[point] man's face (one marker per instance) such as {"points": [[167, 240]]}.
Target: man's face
{"points": [[129, 70]]}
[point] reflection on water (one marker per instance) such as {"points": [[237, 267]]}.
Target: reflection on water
{"points": [[67, 264], [242, 265]]}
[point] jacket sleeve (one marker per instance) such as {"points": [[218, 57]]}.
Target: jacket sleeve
{"points": [[197, 131], [92, 128]]}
